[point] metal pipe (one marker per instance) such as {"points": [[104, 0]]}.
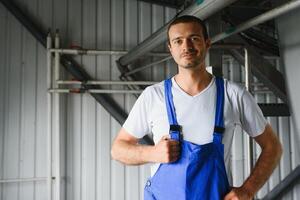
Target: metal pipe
{"points": [[102, 52], [258, 20], [56, 60], [120, 52], [34, 29], [23, 180], [62, 82], [247, 71], [247, 85], [262, 91], [97, 91], [201, 9], [49, 115], [146, 66], [57, 119]]}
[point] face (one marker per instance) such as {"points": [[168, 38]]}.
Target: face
{"points": [[187, 45]]}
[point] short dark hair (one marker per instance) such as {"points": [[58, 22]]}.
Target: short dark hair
{"points": [[187, 19]]}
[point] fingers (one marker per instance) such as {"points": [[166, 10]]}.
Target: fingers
{"points": [[169, 149]]}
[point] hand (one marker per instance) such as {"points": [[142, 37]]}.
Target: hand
{"points": [[238, 193], [167, 150]]}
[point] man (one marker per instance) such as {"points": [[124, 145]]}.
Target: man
{"points": [[190, 116]]}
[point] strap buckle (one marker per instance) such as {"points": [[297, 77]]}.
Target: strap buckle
{"points": [[175, 132], [174, 127], [219, 129]]}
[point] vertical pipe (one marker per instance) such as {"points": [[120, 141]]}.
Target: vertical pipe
{"points": [[49, 115], [247, 79], [57, 120], [247, 85]]}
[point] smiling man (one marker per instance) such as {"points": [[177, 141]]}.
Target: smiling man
{"points": [[193, 116]]}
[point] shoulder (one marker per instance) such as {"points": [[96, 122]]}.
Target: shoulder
{"points": [[154, 90], [234, 89]]}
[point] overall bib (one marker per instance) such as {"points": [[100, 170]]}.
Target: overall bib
{"points": [[199, 173]]}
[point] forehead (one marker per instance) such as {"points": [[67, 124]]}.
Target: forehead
{"points": [[185, 29]]}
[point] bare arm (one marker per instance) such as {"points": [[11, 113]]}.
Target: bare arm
{"points": [[266, 163], [126, 149]]}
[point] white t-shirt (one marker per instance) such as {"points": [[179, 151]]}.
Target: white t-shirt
{"points": [[196, 115]]}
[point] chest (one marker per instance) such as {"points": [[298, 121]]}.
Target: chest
{"points": [[195, 114]]}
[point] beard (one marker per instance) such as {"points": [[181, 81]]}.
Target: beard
{"points": [[193, 63]]}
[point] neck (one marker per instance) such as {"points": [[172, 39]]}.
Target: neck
{"points": [[193, 81]]}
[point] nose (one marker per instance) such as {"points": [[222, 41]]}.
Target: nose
{"points": [[188, 45]]}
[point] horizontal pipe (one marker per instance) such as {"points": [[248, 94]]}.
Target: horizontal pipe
{"points": [[121, 52], [146, 66], [96, 91], [62, 82], [23, 180], [101, 52]]}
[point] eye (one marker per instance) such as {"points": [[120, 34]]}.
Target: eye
{"points": [[195, 39], [177, 41]]}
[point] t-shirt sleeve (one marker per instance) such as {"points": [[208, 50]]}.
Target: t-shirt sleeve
{"points": [[251, 116], [137, 123]]}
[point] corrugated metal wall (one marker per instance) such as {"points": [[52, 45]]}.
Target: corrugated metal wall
{"points": [[23, 100], [89, 129]]}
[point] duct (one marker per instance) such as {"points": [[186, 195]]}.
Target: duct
{"points": [[264, 71], [201, 8], [71, 66], [285, 185]]}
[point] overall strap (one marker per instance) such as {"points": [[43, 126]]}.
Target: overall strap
{"points": [[175, 129], [219, 121]]}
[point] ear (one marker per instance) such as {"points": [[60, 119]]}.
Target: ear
{"points": [[208, 43], [170, 48]]}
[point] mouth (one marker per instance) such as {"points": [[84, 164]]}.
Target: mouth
{"points": [[188, 55]]}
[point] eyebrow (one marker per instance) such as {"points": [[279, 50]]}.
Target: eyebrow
{"points": [[188, 36]]}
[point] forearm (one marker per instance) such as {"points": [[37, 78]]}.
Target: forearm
{"points": [[131, 153], [263, 169]]}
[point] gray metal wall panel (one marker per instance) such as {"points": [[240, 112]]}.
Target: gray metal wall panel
{"points": [[3, 72], [12, 139], [24, 101], [41, 124]]}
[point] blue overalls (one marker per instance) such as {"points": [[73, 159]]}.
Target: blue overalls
{"points": [[199, 173]]}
